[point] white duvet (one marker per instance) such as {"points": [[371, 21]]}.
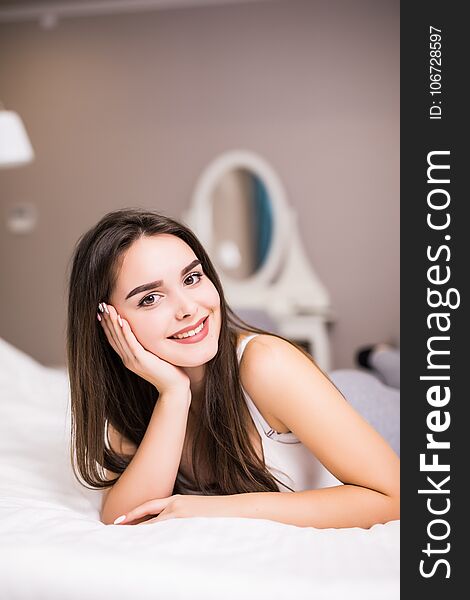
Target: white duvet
{"points": [[53, 545]]}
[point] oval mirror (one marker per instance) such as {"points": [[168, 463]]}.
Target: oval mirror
{"points": [[242, 223], [240, 215]]}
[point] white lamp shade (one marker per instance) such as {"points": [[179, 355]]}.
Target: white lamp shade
{"points": [[15, 147]]}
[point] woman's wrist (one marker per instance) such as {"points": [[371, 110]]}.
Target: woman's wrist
{"points": [[176, 395]]}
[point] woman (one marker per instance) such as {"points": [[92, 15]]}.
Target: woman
{"points": [[195, 419]]}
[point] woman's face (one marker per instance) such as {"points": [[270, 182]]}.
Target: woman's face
{"points": [[177, 295]]}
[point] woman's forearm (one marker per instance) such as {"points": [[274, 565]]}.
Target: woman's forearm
{"points": [[153, 469], [340, 506]]}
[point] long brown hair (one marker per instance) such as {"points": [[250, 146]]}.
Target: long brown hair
{"points": [[102, 388]]}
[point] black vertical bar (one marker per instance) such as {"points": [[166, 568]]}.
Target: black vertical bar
{"points": [[424, 247]]}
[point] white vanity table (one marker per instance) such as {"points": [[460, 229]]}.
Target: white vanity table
{"points": [[240, 213]]}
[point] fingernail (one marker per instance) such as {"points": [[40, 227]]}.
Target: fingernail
{"points": [[119, 520], [106, 308], [100, 306], [98, 316], [119, 319]]}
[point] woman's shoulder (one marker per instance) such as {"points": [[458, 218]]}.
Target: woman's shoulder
{"points": [[271, 361], [262, 362], [254, 351], [265, 347]]}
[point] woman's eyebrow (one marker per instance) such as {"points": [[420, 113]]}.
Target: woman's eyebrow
{"points": [[159, 282]]}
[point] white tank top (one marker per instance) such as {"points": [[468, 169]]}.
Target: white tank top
{"points": [[286, 457]]}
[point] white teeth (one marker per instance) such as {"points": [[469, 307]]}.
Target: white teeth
{"points": [[190, 333]]}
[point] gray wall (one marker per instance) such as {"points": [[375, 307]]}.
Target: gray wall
{"points": [[127, 110]]}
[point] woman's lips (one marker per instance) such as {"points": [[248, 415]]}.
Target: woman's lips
{"points": [[195, 338]]}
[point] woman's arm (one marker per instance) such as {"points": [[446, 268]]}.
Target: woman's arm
{"points": [[153, 469], [286, 384], [341, 506]]}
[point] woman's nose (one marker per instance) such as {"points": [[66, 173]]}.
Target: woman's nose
{"points": [[186, 306]]}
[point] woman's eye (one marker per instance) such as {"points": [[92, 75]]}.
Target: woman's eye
{"points": [[190, 277], [195, 274], [144, 303]]}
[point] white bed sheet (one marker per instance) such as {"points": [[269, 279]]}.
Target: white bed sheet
{"points": [[53, 545]]}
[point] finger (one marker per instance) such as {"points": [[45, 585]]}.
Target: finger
{"points": [[127, 340], [163, 516], [151, 507], [134, 346], [138, 521], [114, 331], [107, 327], [148, 521], [109, 337], [112, 341]]}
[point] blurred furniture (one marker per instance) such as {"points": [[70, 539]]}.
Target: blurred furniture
{"points": [[240, 213]]}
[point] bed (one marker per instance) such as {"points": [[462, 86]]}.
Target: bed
{"points": [[53, 545]]}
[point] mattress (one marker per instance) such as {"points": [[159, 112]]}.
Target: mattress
{"points": [[54, 546]]}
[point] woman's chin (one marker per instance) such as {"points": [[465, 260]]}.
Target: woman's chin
{"points": [[192, 357]]}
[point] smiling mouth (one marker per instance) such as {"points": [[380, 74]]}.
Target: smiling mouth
{"points": [[186, 336]]}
